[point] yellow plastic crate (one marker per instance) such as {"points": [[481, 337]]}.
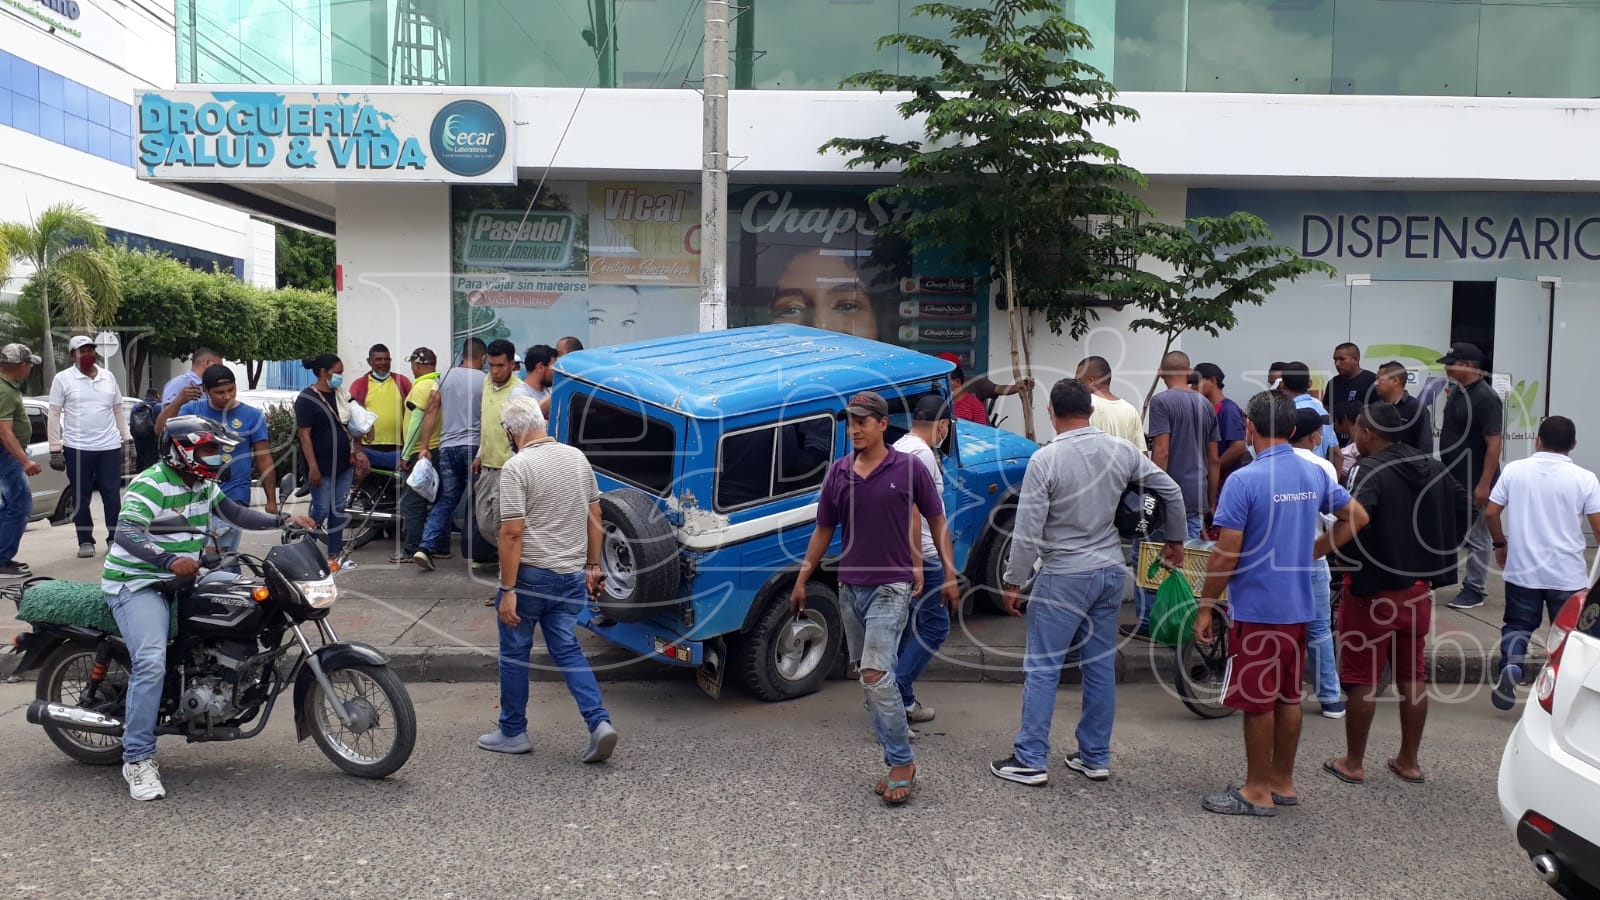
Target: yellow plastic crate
{"points": [[1196, 554]]}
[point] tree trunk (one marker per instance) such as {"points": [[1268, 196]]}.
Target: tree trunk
{"points": [[1014, 320], [49, 354], [1156, 382]]}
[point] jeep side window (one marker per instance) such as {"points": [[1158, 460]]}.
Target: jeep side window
{"points": [[624, 444], [776, 461]]}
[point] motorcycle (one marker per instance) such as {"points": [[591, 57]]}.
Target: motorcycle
{"points": [[240, 643]]}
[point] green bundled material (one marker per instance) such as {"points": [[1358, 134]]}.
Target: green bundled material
{"points": [[74, 603], [1173, 613]]}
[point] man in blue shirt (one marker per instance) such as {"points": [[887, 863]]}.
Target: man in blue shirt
{"points": [[190, 381], [1263, 560], [1297, 384], [220, 404]]}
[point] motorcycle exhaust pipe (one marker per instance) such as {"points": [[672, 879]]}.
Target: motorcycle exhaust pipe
{"points": [[76, 718]]}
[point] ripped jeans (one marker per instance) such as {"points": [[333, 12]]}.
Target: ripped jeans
{"points": [[874, 618]]}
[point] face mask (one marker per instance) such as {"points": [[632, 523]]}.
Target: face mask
{"points": [[335, 379], [86, 363], [377, 377]]}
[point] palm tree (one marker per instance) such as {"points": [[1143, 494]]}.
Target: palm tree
{"points": [[63, 247]]}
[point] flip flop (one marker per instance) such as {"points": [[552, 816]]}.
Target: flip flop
{"points": [[1280, 800], [1233, 803], [1329, 767], [1408, 779], [890, 784]]}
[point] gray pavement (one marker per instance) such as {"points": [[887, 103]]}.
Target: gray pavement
{"points": [[434, 625], [742, 799]]}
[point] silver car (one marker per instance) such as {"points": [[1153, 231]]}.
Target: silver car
{"points": [[51, 499]]}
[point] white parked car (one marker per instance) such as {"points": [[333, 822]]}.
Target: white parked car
{"points": [[1550, 773]]}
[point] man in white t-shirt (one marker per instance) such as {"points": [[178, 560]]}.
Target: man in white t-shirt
{"points": [[1307, 441], [928, 622], [86, 428], [1535, 518], [1111, 414]]}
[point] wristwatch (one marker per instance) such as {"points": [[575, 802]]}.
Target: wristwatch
{"points": [[1499, 545]]}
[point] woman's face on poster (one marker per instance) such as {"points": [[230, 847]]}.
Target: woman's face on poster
{"points": [[822, 289]]}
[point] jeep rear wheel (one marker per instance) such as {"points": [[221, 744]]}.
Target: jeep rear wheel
{"points": [[638, 556], [784, 656], [996, 547]]}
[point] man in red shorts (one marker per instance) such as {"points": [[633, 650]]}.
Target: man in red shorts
{"points": [[1387, 609], [1264, 562]]}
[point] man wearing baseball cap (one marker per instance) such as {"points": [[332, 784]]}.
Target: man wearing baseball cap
{"points": [[414, 507], [1469, 446], [875, 495], [220, 404], [88, 427], [16, 500]]}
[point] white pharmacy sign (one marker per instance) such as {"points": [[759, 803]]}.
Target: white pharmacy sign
{"points": [[254, 134]]}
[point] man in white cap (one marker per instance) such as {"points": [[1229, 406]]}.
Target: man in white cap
{"points": [[16, 500], [87, 428]]}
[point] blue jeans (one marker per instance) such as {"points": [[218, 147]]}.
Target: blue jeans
{"points": [[1480, 553], [90, 471], [383, 459], [142, 617], [1525, 611], [327, 506], [1067, 612], [874, 619], [1319, 636], [455, 473], [16, 505], [553, 602], [927, 626], [1143, 599]]}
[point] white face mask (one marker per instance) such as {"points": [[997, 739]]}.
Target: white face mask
{"points": [[383, 377]]}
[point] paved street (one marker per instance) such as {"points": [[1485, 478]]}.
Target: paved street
{"points": [[745, 799]]}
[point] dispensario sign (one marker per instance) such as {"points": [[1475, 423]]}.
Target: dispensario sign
{"points": [[244, 135]]}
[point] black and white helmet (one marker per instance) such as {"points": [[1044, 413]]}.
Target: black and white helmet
{"points": [[196, 445]]}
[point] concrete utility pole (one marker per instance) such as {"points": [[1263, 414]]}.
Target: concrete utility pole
{"points": [[714, 172]]}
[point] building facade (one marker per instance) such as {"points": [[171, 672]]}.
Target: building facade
{"points": [[1439, 155]]}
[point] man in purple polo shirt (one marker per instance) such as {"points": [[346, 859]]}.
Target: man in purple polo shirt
{"points": [[879, 495]]}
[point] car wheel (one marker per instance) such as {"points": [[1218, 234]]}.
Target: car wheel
{"points": [[638, 556], [784, 656], [64, 509], [996, 547]]}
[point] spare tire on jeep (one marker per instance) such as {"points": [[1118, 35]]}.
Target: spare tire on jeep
{"points": [[638, 555]]}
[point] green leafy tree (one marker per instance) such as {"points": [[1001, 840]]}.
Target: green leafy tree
{"points": [[304, 260], [65, 248], [304, 323], [1217, 264], [157, 317], [1007, 173]]}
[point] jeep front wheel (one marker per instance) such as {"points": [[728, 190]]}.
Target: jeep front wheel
{"points": [[784, 656], [638, 556]]}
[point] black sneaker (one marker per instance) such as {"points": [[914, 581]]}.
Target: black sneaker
{"points": [[1469, 598], [15, 570], [1140, 632], [1011, 770]]}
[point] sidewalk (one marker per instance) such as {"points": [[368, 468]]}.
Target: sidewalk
{"points": [[435, 627]]}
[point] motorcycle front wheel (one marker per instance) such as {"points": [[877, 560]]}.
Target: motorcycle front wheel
{"points": [[384, 728], [64, 679], [1202, 677]]}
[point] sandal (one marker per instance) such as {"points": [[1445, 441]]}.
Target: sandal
{"points": [[1331, 767], [889, 784], [1233, 803], [1408, 779]]}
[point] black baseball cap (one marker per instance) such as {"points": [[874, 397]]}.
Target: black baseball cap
{"points": [[931, 408], [216, 376], [1461, 351], [1307, 422], [868, 403]]}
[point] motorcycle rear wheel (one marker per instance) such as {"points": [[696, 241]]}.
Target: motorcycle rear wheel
{"points": [[62, 679], [379, 697]]}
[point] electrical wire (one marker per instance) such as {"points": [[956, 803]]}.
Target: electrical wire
{"points": [[677, 41]]}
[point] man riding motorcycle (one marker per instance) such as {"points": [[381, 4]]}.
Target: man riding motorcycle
{"points": [[181, 483]]}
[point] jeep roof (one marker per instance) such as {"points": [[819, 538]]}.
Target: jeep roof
{"points": [[741, 370]]}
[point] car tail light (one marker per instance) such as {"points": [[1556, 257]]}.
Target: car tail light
{"points": [[1540, 824], [1554, 644]]}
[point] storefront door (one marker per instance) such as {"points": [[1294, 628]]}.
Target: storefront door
{"points": [[1521, 359]]}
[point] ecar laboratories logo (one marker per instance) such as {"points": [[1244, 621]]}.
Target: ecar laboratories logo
{"points": [[468, 138]]}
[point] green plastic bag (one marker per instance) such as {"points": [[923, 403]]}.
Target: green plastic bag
{"points": [[1173, 613]]}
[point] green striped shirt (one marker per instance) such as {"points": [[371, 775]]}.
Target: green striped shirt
{"points": [[158, 491]]}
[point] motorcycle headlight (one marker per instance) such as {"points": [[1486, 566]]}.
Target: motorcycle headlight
{"points": [[318, 594]]}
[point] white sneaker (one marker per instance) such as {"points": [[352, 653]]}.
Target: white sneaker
{"points": [[144, 780]]}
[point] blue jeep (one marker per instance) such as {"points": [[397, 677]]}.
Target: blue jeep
{"points": [[710, 450]]}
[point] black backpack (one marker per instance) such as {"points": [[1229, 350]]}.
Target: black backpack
{"points": [[142, 421]]}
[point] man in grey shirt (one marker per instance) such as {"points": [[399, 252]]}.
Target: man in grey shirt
{"points": [[457, 403], [1183, 443], [1065, 521]]}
